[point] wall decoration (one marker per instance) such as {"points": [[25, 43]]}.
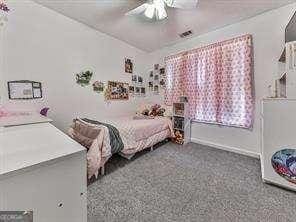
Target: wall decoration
{"points": [[140, 80], [138, 90], [98, 86], [117, 91], [162, 71], [156, 89], [143, 91], [128, 65], [156, 77], [284, 164], [3, 12], [134, 79], [150, 86], [162, 83], [83, 78], [24, 89], [151, 74], [131, 89], [156, 66]]}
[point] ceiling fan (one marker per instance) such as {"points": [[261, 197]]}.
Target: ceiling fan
{"points": [[156, 9]]}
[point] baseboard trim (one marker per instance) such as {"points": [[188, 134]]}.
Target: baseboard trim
{"points": [[227, 148]]}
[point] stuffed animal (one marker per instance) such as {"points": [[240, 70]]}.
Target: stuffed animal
{"points": [[145, 112], [156, 110], [178, 137]]}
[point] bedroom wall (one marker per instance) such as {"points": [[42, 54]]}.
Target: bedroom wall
{"points": [[42, 45], [268, 35]]}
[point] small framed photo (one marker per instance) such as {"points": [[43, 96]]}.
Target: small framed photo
{"points": [[156, 66], [128, 65], [140, 79], [156, 89], [156, 77], [134, 78], [137, 90], [162, 83], [131, 89], [143, 91], [150, 85], [98, 86], [151, 74], [162, 71]]}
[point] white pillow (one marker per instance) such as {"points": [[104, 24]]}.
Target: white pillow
{"points": [[168, 110], [143, 107]]}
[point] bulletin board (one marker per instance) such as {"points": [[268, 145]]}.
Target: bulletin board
{"points": [[24, 89]]}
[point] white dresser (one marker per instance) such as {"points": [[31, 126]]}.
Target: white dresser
{"points": [[43, 170]]}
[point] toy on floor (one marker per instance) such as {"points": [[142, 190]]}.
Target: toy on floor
{"points": [[179, 138]]}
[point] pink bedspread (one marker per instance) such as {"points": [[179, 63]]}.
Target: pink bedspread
{"points": [[140, 129], [136, 135]]}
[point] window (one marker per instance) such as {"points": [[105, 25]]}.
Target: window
{"points": [[217, 79]]}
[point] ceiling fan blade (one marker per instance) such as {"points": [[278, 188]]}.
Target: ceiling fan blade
{"points": [[138, 10], [182, 4]]}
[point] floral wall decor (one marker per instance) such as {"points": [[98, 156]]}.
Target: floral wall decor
{"points": [[98, 86], [83, 78], [3, 12]]}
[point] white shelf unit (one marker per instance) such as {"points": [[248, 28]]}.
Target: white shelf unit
{"points": [[181, 122], [291, 70]]}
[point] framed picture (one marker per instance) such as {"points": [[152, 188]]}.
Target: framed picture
{"points": [[162, 71], [137, 90], [156, 77], [128, 65], [151, 74], [134, 78], [162, 83], [117, 91], [98, 86], [156, 66], [156, 89], [143, 91], [140, 79], [131, 89], [24, 89]]}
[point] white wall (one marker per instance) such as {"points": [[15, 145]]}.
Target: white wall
{"points": [[40, 44], [43, 45], [268, 35]]}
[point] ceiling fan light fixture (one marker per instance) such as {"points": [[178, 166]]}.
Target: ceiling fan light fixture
{"points": [[150, 11], [161, 14], [160, 9]]}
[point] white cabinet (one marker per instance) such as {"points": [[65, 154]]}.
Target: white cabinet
{"points": [[43, 170]]}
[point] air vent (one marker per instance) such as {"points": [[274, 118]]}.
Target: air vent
{"points": [[186, 34]]}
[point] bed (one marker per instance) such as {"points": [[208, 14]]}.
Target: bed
{"points": [[125, 136]]}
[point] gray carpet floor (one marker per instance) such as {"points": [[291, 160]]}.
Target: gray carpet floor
{"points": [[190, 183]]}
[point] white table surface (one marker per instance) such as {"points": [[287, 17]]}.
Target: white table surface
{"points": [[27, 145], [23, 119]]}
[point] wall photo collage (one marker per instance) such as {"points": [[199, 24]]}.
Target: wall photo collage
{"points": [[156, 79]]}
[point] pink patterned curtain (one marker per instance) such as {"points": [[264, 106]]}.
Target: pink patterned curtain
{"points": [[217, 79]]}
